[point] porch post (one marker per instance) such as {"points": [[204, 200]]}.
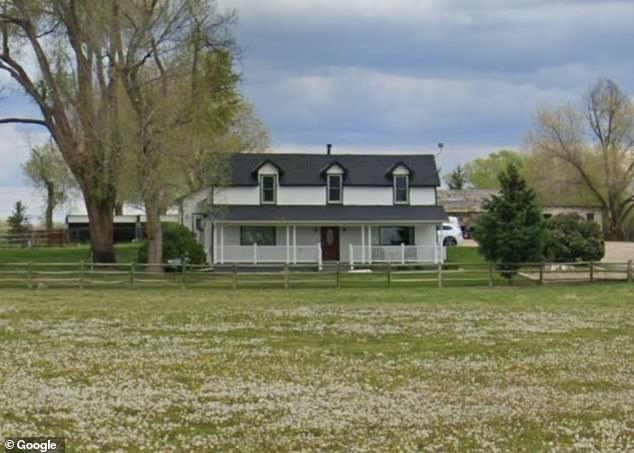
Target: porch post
{"points": [[214, 240], [402, 253], [294, 244], [362, 244], [255, 253], [288, 233], [351, 257], [370, 244], [222, 243]]}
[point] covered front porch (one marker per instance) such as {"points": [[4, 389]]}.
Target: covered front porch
{"points": [[354, 244]]}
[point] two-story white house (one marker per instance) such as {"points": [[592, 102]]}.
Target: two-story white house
{"points": [[314, 208]]}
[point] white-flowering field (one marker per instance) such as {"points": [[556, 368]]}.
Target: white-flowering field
{"points": [[450, 370]]}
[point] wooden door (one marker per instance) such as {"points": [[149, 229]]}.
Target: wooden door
{"points": [[330, 243]]}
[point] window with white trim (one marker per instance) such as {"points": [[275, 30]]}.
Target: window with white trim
{"points": [[335, 189], [268, 188], [401, 189]]}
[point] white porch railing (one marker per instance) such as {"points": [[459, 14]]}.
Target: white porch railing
{"points": [[254, 254], [402, 254]]}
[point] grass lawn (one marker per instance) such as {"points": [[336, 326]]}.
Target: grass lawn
{"points": [[125, 253], [506, 369], [464, 255]]}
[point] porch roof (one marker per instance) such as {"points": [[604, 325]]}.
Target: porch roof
{"points": [[331, 214]]}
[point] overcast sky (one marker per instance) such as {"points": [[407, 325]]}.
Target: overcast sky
{"points": [[403, 75]]}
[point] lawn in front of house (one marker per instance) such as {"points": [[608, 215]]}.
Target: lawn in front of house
{"points": [[531, 369]]}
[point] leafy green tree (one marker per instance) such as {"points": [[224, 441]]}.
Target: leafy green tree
{"points": [[572, 238], [512, 229], [18, 221], [48, 172], [483, 173], [457, 179]]}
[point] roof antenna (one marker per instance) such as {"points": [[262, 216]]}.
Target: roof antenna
{"points": [[441, 145], [328, 148]]}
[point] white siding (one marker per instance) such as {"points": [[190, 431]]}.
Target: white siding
{"points": [[237, 195], [422, 196], [301, 195], [191, 205], [376, 196], [306, 195], [267, 169], [425, 235]]}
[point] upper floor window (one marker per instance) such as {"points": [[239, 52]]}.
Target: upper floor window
{"points": [[401, 189], [268, 187], [335, 189]]}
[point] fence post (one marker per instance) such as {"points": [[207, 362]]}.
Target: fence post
{"points": [[235, 276], [541, 273], [30, 275], [319, 258], [629, 271], [132, 274], [286, 276], [389, 273], [81, 274], [351, 256], [491, 266], [338, 274]]}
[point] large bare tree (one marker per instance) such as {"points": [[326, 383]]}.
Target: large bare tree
{"points": [[84, 63], [64, 54], [596, 143], [168, 104]]}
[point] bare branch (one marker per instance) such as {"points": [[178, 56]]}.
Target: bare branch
{"points": [[23, 121]]}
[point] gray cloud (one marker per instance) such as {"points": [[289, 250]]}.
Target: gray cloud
{"points": [[406, 73]]}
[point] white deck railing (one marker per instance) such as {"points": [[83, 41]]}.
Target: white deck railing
{"points": [[402, 254], [254, 254]]}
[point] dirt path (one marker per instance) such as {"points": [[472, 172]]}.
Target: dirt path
{"points": [[618, 252]]}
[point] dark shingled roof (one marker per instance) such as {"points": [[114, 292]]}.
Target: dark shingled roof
{"points": [[326, 214], [361, 169]]}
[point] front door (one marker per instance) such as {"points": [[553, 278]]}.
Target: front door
{"points": [[330, 243]]}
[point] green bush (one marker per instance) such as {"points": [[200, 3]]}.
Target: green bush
{"points": [[178, 242], [572, 238]]}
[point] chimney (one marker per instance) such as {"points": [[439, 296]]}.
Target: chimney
{"points": [[328, 148]]}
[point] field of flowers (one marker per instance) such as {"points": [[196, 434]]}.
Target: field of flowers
{"points": [[533, 369]]}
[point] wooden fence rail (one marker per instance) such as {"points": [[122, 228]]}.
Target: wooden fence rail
{"points": [[134, 275]]}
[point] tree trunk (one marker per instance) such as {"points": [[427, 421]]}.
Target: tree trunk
{"points": [[154, 236], [101, 227], [50, 206], [118, 208]]}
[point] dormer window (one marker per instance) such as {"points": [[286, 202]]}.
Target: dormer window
{"points": [[401, 189], [335, 189], [268, 187]]}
